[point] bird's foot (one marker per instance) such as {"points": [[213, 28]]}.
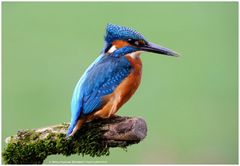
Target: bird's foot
{"points": [[114, 116]]}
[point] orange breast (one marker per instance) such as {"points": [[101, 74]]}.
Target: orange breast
{"points": [[124, 91], [130, 84]]}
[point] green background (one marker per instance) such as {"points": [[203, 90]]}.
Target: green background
{"points": [[189, 103]]}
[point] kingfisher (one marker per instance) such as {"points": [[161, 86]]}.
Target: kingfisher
{"points": [[111, 80]]}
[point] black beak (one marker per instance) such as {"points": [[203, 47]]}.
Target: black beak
{"points": [[151, 47]]}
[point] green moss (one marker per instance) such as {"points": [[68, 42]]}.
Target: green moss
{"points": [[29, 149]]}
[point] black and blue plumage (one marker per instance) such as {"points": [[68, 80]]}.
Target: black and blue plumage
{"points": [[105, 74]]}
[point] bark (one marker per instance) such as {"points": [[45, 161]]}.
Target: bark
{"points": [[94, 139]]}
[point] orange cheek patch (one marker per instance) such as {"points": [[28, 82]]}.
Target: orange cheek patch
{"points": [[120, 43]]}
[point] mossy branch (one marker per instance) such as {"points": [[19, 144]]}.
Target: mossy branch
{"points": [[94, 139]]}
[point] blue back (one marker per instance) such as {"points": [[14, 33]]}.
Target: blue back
{"points": [[103, 75], [100, 79]]}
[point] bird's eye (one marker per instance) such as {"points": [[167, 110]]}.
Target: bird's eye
{"points": [[132, 41], [136, 42]]}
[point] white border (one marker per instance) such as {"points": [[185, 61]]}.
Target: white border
{"points": [[112, 1]]}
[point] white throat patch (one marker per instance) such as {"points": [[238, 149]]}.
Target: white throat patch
{"points": [[135, 55], [112, 49]]}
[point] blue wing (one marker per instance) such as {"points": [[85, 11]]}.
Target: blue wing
{"points": [[100, 79]]}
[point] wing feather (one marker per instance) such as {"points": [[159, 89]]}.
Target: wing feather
{"points": [[100, 79]]}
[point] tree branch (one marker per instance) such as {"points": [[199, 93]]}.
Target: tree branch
{"points": [[94, 139]]}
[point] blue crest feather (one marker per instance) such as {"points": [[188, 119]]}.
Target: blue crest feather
{"points": [[117, 32]]}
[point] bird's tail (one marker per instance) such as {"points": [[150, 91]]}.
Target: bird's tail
{"points": [[74, 128], [74, 120], [71, 127], [76, 107]]}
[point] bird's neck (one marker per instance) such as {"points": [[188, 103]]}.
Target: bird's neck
{"points": [[134, 55], [135, 61]]}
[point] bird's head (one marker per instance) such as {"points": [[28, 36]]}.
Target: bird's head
{"points": [[120, 37]]}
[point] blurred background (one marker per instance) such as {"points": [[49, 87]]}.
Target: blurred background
{"points": [[189, 103]]}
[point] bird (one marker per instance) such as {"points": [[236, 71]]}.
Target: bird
{"points": [[112, 79]]}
